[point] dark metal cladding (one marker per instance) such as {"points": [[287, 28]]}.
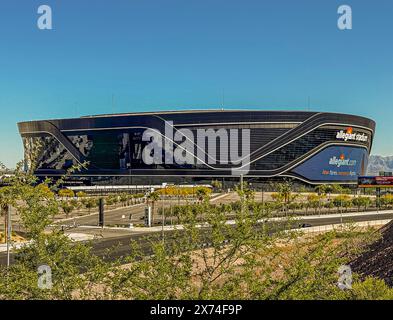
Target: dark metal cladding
{"points": [[309, 146]]}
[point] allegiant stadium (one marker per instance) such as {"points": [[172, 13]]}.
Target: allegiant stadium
{"points": [[312, 147]]}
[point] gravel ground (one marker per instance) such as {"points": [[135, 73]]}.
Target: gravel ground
{"points": [[377, 260]]}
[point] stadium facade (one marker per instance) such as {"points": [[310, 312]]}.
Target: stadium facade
{"points": [[314, 147]]}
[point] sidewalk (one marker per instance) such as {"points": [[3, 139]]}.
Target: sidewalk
{"points": [[330, 227], [72, 236], [338, 215]]}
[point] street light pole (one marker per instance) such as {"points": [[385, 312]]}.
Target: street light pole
{"points": [[162, 223], [242, 195], [9, 231], [263, 200], [341, 207], [163, 216]]}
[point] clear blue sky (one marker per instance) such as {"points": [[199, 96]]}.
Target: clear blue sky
{"points": [[167, 54]]}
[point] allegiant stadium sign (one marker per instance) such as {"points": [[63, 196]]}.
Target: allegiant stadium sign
{"points": [[349, 135]]}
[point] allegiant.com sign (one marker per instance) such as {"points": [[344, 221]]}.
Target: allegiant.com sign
{"points": [[349, 135], [341, 161]]}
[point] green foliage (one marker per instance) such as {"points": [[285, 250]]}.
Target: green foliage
{"points": [[66, 260], [112, 199], [202, 193], [217, 185], [342, 201], [386, 200], [90, 203], [67, 193], [123, 197], [173, 191], [253, 257], [362, 202], [322, 189], [67, 207], [369, 289], [154, 196], [315, 201], [81, 194], [339, 189]]}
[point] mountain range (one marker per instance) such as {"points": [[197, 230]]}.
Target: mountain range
{"points": [[379, 163]]}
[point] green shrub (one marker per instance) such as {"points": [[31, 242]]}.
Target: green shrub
{"points": [[67, 193], [81, 194]]}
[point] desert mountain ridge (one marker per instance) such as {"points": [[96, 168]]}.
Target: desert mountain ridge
{"points": [[378, 163]]}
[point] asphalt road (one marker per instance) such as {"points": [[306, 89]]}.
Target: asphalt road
{"points": [[121, 215], [135, 214], [120, 245]]}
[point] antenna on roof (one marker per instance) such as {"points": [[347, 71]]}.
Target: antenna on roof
{"points": [[223, 99], [113, 103], [308, 103]]}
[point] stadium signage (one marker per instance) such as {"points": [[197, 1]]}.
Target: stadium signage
{"points": [[349, 135], [341, 161], [375, 182]]}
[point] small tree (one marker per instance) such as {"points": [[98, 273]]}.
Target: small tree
{"points": [[361, 202], [284, 196], [315, 201], [81, 194], [90, 203], [66, 193], [342, 201], [295, 206], [123, 198], [202, 193], [321, 189], [329, 205], [386, 200], [217, 185], [337, 189], [67, 207]]}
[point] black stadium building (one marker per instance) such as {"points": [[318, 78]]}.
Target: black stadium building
{"points": [[314, 147]]}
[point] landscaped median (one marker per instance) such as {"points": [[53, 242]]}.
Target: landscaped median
{"points": [[278, 219], [330, 227]]}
